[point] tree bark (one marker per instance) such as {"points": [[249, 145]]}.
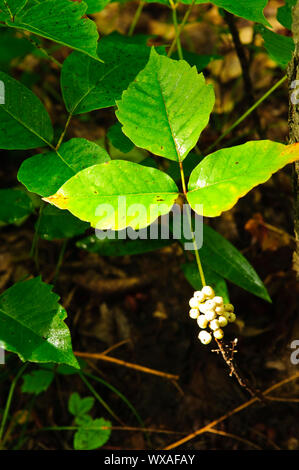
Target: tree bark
{"points": [[293, 75]]}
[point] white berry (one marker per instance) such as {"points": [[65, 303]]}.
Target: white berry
{"points": [[193, 313], [193, 303], [229, 308], [202, 321], [231, 317], [210, 304], [208, 292], [214, 325], [199, 296], [205, 337], [210, 315], [218, 334], [219, 310], [218, 301], [222, 320]]}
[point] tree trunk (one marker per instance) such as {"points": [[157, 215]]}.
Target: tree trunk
{"points": [[293, 75]]}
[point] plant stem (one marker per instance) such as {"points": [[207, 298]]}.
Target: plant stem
{"points": [[180, 29], [9, 399], [196, 250], [60, 260], [246, 114], [64, 132], [34, 247], [136, 18], [97, 396], [177, 34]]}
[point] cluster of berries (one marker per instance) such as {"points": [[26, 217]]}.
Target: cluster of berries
{"points": [[210, 311]]}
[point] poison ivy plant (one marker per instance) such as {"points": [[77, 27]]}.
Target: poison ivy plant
{"points": [[37, 381], [56, 224], [15, 206], [46, 173], [32, 324], [24, 122], [284, 13], [157, 101], [94, 6], [118, 139], [280, 48], [60, 21], [10, 8]]}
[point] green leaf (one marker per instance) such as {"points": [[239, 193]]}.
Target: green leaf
{"points": [[24, 122], [228, 174], [250, 9], [221, 256], [32, 324], [118, 139], [88, 85], [219, 285], [15, 206], [165, 109], [284, 14], [56, 224], [80, 406], [280, 48], [92, 435], [117, 183], [37, 381], [61, 21], [9, 8], [94, 6], [117, 247], [45, 173]]}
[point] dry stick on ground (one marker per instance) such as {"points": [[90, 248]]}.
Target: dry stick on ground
{"points": [[114, 360], [229, 18], [230, 413]]}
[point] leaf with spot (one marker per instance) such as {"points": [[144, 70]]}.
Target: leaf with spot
{"points": [[117, 194], [45, 173], [61, 21], [228, 174], [24, 122], [32, 324], [165, 109]]}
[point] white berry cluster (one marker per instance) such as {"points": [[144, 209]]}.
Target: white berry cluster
{"points": [[210, 311]]}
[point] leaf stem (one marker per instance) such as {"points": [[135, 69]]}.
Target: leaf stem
{"points": [[177, 34], [246, 114], [64, 131], [180, 29], [9, 399], [136, 18], [60, 260]]}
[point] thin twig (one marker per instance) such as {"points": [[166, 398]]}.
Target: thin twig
{"points": [[114, 360], [233, 436], [236, 410]]}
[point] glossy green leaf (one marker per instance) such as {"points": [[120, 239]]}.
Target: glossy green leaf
{"points": [[37, 381], [228, 174], [118, 139], [118, 184], [92, 434], [94, 6], [56, 224], [192, 275], [79, 406], [45, 173], [32, 324], [15, 206], [221, 256], [24, 122], [61, 21], [250, 9], [87, 84], [284, 14], [165, 109], [117, 247], [9, 8], [280, 48]]}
